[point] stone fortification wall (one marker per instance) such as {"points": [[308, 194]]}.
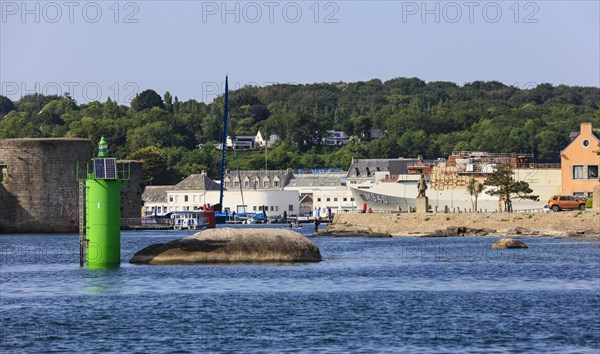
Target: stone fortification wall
{"points": [[131, 193], [39, 189]]}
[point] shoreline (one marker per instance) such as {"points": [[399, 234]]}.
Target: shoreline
{"points": [[574, 223]]}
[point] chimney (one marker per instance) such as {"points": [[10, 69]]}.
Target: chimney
{"points": [[586, 128]]}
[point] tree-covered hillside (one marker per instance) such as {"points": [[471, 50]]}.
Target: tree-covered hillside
{"points": [[431, 119]]}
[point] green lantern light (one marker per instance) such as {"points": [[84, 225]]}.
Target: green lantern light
{"points": [[102, 148]]}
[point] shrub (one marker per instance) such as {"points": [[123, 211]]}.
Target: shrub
{"points": [[589, 203]]}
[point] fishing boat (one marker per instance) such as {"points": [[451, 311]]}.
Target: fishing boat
{"points": [[189, 220], [391, 184]]}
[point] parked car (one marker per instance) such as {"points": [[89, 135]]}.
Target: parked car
{"points": [[560, 202]]}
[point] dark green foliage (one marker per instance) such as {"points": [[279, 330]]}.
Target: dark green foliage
{"points": [[154, 164], [505, 186], [6, 105], [146, 100], [430, 119]]}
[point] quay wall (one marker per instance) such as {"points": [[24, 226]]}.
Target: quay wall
{"points": [[565, 223]]}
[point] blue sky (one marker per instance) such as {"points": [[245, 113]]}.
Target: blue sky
{"points": [[108, 48]]}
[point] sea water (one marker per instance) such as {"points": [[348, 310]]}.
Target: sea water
{"points": [[392, 295]]}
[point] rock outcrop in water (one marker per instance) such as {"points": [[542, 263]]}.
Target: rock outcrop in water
{"points": [[232, 246], [347, 230], [508, 243], [459, 231]]}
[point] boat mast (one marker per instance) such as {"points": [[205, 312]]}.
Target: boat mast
{"points": [[224, 141]]}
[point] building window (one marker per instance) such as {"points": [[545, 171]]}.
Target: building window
{"points": [[195, 198], [335, 199], [577, 172], [276, 207], [272, 208], [291, 207], [318, 199], [176, 199], [585, 143], [246, 184], [275, 183], [352, 199], [185, 198], [254, 208], [171, 199], [593, 172], [187, 208], [345, 199], [3, 173], [328, 199]]}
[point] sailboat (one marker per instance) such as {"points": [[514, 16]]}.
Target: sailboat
{"points": [[220, 215], [224, 216]]}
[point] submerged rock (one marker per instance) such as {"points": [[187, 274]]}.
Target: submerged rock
{"points": [[508, 243], [232, 246]]}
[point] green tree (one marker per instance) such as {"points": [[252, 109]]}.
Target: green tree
{"points": [[110, 109], [168, 102], [474, 188], [51, 113], [146, 100], [506, 186], [6, 105], [16, 126], [154, 164]]}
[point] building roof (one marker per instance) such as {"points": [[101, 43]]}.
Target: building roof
{"points": [[155, 194], [318, 180], [197, 182], [307, 198], [574, 135], [284, 176]]}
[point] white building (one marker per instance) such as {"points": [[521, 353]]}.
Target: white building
{"points": [[260, 191], [274, 202], [261, 142], [336, 137], [326, 191], [155, 200]]}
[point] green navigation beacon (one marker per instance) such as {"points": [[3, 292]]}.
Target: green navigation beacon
{"points": [[102, 220]]}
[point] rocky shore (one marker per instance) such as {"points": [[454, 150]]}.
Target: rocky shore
{"points": [[229, 245], [562, 224]]}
